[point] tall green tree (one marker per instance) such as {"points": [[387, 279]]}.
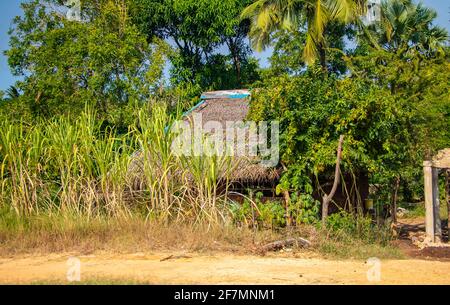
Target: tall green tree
{"points": [[288, 48], [314, 16], [393, 105], [406, 55], [101, 59], [207, 34], [406, 26]]}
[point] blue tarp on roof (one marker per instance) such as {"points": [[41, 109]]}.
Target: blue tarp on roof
{"points": [[231, 94], [224, 94]]}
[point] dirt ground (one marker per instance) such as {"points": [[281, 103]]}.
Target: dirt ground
{"points": [[421, 266], [411, 234], [217, 269]]}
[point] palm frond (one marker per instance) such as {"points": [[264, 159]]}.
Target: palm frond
{"points": [[310, 53], [406, 26]]}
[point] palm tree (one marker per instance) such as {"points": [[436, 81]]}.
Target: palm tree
{"points": [[268, 16], [12, 93], [405, 26]]}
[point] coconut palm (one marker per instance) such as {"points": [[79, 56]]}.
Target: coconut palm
{"points": [[405, 26], [268, 16]]}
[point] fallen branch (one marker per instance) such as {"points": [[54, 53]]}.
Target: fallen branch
{"points": [[174, 257], [280, 244]]}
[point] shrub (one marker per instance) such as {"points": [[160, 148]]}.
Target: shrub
{"points": [[347, 227], [304, 209]]}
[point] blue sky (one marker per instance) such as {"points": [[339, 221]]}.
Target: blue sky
{"points": [[11, 8]]}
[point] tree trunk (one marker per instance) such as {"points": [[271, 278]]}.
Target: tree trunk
{"points": [[287, 201], [394, 200], [236, 60], [237, 65], [337, 174], [323, 57]]}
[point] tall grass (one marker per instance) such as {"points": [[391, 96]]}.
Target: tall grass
{"points": [[78, 167]]}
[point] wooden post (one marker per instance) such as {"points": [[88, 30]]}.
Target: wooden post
{"points": [[428, 189]]}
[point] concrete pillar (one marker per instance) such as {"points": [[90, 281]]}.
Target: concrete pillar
{"points": [[429, 210], [436, 207], [432, 217]]}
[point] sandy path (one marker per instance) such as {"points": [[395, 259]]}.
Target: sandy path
{"points": [[219, 269]]}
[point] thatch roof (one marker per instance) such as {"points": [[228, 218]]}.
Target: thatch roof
{"points": [[233, 106], [222, 110], [248, 172], [442, 159]]}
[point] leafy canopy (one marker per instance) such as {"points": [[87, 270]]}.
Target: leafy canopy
{"points": [[102, 60], [208, 36], [406, 27], [268, 16]]}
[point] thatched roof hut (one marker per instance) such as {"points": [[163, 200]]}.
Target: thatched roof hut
{"points": [[224, 107], [232, 106]]}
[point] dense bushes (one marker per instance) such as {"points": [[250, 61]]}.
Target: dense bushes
{"points": [[347, 226], [387, 134]]}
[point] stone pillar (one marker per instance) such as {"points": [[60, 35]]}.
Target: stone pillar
{"points": [[436, 207], [428, 185], [432, 218]]}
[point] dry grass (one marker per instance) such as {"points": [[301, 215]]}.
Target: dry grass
{"points": [[77, 234], [43, 234]]}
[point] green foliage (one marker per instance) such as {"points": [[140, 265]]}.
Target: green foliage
{"points": [[102, 60], [345, 225], [304, 209], [59, 163], [419, 83], [313, 110], [271, 214], [406, 27], [416, 211], [393, 116], [389, 97], [316, 17], [288, 49], [374, 242], [267, 214], [201, 31], [393, 107], [218, 73], [345, 222], [80, 167]]}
